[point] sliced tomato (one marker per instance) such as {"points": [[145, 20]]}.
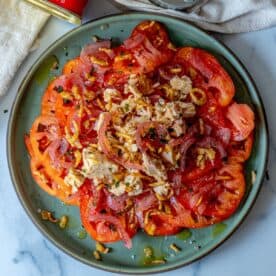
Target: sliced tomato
{"points": [[185, 217], [51, 183], [71, 66], [216, 195], [156, 33], [125, 62], [100, 231], [158, 226], [213, 73], [149, 45], [48, 103], [212, 112], [242, 118], [45, 129], [42, 178], [101, 224], [240, 151], [231, 179]]}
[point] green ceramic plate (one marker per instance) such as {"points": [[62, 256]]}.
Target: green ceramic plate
{"points": [[195, 243]]}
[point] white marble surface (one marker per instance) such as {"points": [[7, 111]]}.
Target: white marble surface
{"points": [[250, 251]]}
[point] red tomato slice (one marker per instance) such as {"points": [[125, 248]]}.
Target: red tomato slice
{"points": [[214, 74], [156, 33], [212, 112], [186, 218], [158, 226], [71, 66], [242, 118], [215, 195], [106, 227], [239, 152]]}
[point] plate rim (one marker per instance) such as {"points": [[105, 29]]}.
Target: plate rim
{"points": [[13, 117]]}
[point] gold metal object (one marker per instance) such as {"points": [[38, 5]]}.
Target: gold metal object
{"points": [[56, 11]]}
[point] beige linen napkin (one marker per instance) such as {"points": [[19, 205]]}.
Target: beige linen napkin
{"points": [[20, 24], [225, 16]]}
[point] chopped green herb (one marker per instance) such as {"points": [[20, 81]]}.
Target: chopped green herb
{"points": [[112, 227], [170, 129], [127, 107], [82, 234], [92, 71], [59, 89], [40, 128], [152, 133], [163, 141], [184, 235], [66, 101]]}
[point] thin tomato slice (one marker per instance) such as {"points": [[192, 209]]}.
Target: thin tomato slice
{"points": [[214, 74], [239, 152], [215, 195], [71, 66], [156, 33], [158, 226], [242, 118], [106, 227]]}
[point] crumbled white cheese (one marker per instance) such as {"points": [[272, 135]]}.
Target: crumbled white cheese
{"points": [[179, 127], [97, 181], [133, 184], [168, 155], [128, 105], [175, 110], [117, 189], [163, 189], [109, 94], [96, 165], [183, 85], [128, 128], [131, 87], [132, 147], [75, 179], [154, 167], [172, 111], [99, 122], [132, 79], [134, 90], [204, 154], [145, 113]]}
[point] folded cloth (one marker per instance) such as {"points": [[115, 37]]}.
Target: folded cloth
{"points": [[20, 24], [223, 16]]}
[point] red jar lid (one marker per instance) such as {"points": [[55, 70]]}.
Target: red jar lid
{"points": [[76, 6]]}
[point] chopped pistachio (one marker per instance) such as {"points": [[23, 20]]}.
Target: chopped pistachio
{"points": [[101, 248], [158, 261], [97, 255], [253, 177], [63, 222], [148, 252], [174, 247], [46, 215]]}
